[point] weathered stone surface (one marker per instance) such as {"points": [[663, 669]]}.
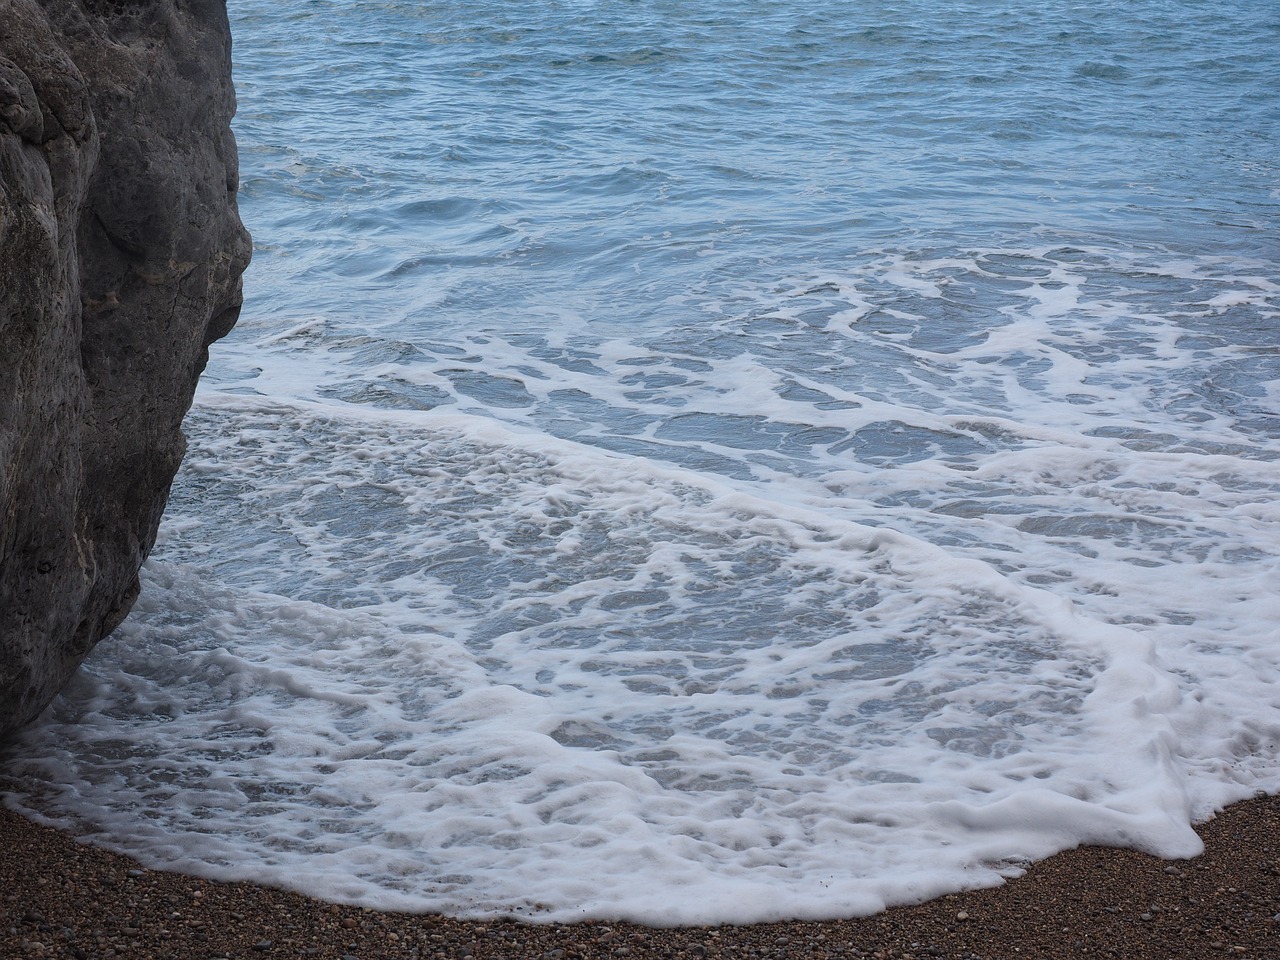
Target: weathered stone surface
{"points": [[121, 252]]}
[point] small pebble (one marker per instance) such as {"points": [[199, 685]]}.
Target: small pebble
{"points": [[962, 915]]}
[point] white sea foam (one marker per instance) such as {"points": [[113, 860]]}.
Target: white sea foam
{"points": [[434, 662]]}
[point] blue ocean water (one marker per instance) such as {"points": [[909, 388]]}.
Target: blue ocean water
{"points": [[713, 462]]}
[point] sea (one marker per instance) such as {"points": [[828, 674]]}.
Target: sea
{"points": [[713, 461]]}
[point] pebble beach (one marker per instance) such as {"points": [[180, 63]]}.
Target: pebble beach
{"points": [[62, 898]]}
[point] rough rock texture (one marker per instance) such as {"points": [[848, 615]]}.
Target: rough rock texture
{"points": [[121, 252]]}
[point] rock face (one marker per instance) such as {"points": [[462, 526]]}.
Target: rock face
{"points": [[121, 252]]}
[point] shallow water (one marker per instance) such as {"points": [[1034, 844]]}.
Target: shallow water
{"points": [[707, 464]]}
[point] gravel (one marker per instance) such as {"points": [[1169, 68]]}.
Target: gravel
{"points": [[62, 898]]}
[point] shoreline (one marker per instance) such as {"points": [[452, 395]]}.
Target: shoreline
{"points": [[62, 898]]}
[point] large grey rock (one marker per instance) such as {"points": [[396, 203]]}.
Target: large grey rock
{"points": [[121, 252]]}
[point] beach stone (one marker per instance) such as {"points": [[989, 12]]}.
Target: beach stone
{"points": [[121, 251]]}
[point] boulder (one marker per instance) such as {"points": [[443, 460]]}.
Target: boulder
{"points": [[121, 251]]}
